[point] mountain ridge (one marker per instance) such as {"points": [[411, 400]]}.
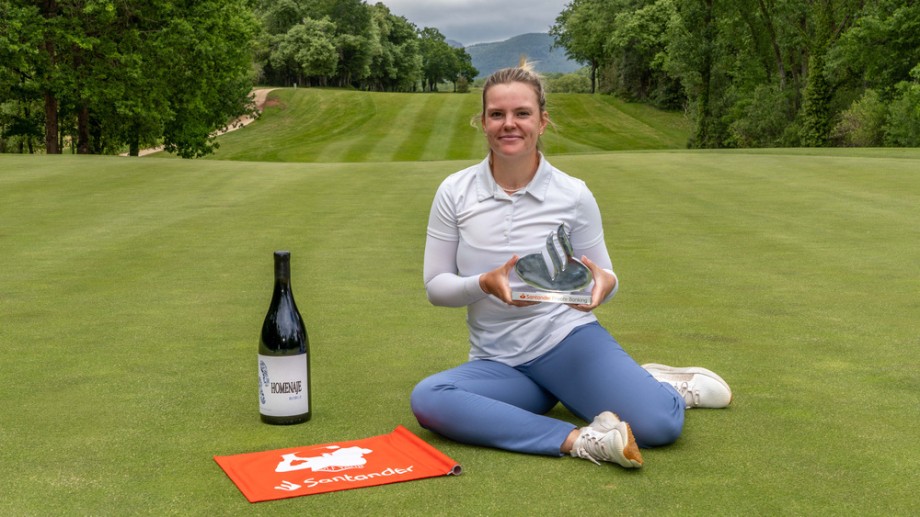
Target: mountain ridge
{"points": [[536, 46]]}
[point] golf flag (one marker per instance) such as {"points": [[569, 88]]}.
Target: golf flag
{"points": [[316, 469]]}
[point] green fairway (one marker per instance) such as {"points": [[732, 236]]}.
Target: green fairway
{"points": [[315, 125], [132, 293]]}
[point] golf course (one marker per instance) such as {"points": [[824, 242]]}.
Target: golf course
{"points": [[133, 290]]}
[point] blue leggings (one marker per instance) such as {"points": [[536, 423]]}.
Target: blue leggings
{"points": [[495, 405]]}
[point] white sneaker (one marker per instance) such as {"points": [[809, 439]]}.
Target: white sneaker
{"points": [[699, 387], [608, 438]]}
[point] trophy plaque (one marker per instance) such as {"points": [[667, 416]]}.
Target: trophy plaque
{"points": [[567, 280]]}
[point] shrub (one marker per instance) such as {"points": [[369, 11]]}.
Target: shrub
{"points": [[902, 127], [576, 82], [761, 119], [862, 124], [463, 84]]}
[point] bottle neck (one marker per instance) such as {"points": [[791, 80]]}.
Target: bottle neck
{"points": [[282, 268]]}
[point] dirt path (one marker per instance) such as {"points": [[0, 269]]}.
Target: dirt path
{"points": [[258, 96]]}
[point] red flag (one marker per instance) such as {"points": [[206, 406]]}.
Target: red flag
{"points": [[316, 469]]}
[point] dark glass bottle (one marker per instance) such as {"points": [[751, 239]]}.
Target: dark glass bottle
{"points": [[284, 355]]}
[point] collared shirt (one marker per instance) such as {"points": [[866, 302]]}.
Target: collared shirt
{"points": [[475, 227]]}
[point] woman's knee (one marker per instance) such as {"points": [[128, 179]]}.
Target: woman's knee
{"points": [[659, 428], [424, 398]]}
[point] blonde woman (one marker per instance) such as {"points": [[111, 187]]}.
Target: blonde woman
{"points": [[525, 357]]}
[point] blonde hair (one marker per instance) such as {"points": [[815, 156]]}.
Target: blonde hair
{"points": [[523, 73]]}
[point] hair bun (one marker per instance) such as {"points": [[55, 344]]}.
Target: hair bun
{"points": [[525, 64]]}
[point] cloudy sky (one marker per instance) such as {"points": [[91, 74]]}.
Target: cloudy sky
{"points": [[479, 21]]}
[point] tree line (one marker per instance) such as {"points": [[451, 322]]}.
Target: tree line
{"points": [[109, 76], [349, 43], [759, 73], [104, 75]]}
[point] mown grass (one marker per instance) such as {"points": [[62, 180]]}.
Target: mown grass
{"points": [[132, 291], [319, 125]]}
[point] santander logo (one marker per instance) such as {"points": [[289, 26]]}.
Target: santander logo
{"points": [[341, 459]]}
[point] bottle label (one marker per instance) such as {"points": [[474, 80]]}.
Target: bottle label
{"points": [[283, 385]]}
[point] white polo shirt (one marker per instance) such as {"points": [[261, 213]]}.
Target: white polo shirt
{"points": [[475, 227]]}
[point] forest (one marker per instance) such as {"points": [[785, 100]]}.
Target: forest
{"points": [[759, 73], [108, 77]]}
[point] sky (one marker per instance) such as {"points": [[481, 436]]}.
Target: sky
{"points": [[479, 21]]}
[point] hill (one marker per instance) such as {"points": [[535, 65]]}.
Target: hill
{"points": [[489, 57], [324, 125]]}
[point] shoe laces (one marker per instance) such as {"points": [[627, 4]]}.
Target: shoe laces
{"points": [[590, 446], [690, 394]]}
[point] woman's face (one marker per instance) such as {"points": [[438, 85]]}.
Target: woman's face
{"points": [[512, 119]]}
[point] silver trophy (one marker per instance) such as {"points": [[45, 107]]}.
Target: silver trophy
{"points": [[567, 280]]}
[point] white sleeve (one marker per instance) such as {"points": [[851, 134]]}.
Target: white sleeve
{"points": [[588, 237], [599, 255], [442, 283]]}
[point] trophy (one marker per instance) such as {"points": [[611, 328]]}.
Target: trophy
{"points": [[564, 284]]}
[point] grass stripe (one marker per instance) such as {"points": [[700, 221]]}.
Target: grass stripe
{"points": [[422, 130], [442, 131], [323, 125], [394, 130], [588, 123], [465, 139]]}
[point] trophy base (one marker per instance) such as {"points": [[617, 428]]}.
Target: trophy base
{"points": [[550, 297]]}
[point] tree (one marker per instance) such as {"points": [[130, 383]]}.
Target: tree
{"points": [[214, 72], [279, 16], [637, 48], [816, 113], [374, 48], [880, 49], [21, 123], [305, 53], [829, 19], [464, 72], [756, 72], [397, 63], [354, 39], [694, 56], [902, 127], [438, 59], [115, 73], [582, 30]]}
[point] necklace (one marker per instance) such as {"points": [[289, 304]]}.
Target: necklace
{"points": [[506, 189]]}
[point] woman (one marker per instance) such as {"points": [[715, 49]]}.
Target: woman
{"points": [[526, 357]]}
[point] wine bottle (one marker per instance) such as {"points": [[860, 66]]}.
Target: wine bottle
{"points": [[284, 355]]}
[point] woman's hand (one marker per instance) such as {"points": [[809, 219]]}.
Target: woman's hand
{"points": [[496, 283], [604, 282]]}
